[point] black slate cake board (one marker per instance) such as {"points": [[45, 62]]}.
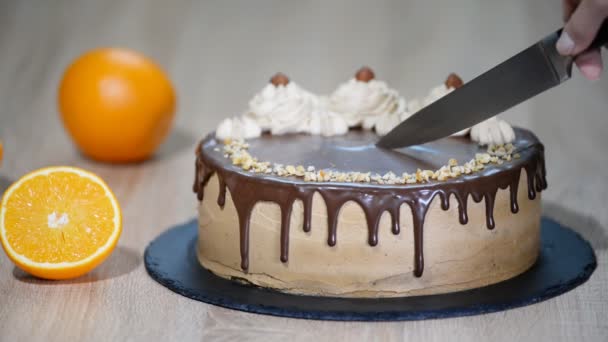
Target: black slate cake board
{"points": [[566, 261]]}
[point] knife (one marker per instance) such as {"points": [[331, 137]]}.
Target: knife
{"points": [[523, 76]]}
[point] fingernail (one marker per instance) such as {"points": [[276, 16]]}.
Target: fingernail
{"points": [[591, 72], [565, 44]]}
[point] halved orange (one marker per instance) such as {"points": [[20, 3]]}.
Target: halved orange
{"points": [[59, 222]]}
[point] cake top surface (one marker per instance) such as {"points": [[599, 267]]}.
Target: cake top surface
{"points": [[293, 157]]}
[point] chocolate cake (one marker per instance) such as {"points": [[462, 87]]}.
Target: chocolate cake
{"points": [[307, 212]]}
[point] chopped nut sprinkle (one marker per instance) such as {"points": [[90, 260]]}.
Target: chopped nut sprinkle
{"points": [[236, 151]]}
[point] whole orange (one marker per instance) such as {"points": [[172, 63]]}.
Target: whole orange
{"points": [[116, 104]]}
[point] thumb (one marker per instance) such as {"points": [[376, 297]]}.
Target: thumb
{"points": [[582, 27]]}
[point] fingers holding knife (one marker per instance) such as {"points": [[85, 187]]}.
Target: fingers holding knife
{"points": [[584, 19]]}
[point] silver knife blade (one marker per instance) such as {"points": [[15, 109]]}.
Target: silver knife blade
{"points": [[523, 76]]}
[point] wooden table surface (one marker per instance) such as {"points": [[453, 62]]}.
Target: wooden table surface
{"points": [[220, 53]]}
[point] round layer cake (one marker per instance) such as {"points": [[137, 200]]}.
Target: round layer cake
{"points": [[338, 216]]}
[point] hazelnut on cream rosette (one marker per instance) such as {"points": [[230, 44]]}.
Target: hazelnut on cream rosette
{"points": [[363, 100], [282, 106], [452, 82], [491, 131]]}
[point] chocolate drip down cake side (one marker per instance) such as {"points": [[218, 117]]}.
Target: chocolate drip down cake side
{"points": [[295, 196]]}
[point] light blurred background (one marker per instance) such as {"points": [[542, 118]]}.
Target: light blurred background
{"points": [[219, 53]]}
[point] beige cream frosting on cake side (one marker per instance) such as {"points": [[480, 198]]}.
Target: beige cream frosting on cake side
{"points": [[456, 256]]}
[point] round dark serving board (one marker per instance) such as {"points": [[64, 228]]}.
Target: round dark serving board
{"points": [[566, 261]]}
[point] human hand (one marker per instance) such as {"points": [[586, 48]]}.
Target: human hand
{"points": [[583, 20]]}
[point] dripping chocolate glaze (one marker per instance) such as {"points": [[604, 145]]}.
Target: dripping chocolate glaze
{"points": [[356, 151]]}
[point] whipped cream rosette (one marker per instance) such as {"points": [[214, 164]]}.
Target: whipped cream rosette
{"points": [[493, 131], [323, 121], [363, 100], [282, 107], [389, 120], [238, 128]]}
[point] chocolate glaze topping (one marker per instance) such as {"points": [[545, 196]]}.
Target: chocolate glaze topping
{"points": [[356, 151]]}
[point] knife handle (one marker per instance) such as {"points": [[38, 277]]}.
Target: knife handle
{"points": [[602, 37]]}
